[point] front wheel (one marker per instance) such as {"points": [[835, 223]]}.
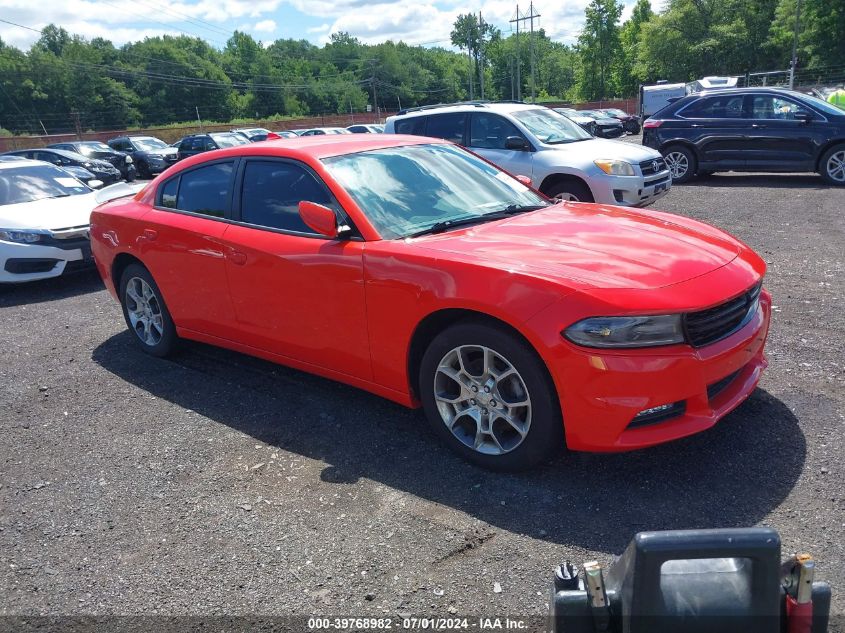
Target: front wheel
{"points": [[681, 163], [489, 398], [570, 190], [145, 312], [832, 165]]}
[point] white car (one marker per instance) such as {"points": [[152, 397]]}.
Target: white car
{"points": [[44, 218], [317, 131], [560, 158]]}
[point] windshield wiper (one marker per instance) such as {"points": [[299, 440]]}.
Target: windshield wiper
{"points": [[445, 225]]}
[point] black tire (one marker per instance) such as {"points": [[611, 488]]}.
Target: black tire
{"points": [[144, 171], [685, 158], [164, 344], [544, 435], [830, 165], [570, 190]]}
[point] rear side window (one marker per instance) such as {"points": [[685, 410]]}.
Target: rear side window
{"points": [[415, 126], [722, 107], [447, 126], [272, 191], [168, 193], [206, 190]]}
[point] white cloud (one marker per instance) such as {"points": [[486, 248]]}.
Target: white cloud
{"points": [[265, 26]]}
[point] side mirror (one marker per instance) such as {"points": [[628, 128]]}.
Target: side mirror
{"points": [[525, 180], [319, 218], [804, 117], [516, 143], [95, 184]]}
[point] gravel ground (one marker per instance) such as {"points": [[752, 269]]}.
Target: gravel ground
{"points": [[218, 484]]}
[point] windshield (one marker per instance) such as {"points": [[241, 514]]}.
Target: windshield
{"points": [[30, 183], [148, 144], [405, 190], [550, 127], [228, 140], [96, 146], [824, 106]]}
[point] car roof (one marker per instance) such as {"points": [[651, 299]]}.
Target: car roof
{"points": [[23, 162], [55, 150], [469, 106], [319, 147], [739, 91]]}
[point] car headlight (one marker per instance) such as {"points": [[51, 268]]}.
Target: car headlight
{"points": [[21, 237], [129, 160], [615, 167], [630, 331]]}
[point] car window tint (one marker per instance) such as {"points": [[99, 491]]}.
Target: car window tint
{"points": [[208, 144], [168, 193], [488, 131], [447, 126], [771, 107], [272, 192], [415, 126], [721, 107], [206, 190]]}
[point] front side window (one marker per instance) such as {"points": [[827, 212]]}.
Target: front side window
{"points": [[272, 191], [449, 127], [406, 190], [206, 190], [489, 131], [771, 107]]}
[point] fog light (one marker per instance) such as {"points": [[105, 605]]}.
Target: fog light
{"points": [[657, 414]]}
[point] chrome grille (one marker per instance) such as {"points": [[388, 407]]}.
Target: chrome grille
{"points": [[651, 167], [714, 324]]}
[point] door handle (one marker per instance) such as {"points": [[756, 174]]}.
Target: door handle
{"points": [[236, 257], [150, 234], [757, 126], [695, 125]]}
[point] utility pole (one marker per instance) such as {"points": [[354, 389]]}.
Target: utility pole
{"points": [[480, 55], [471, 70], [199, 120], [531, 16], [375, 93], [517, 19], [77, 123], [795, 45]]}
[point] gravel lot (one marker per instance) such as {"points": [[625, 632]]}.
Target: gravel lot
{"points": [[218, 484]]}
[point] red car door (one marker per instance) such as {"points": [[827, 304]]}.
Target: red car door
{"points": [[294, 293], [182, 246]]}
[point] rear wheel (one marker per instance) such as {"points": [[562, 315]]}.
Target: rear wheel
{"points": [[571, 190], [832, 165], [681, 163], [489, 398], [145, 312]]}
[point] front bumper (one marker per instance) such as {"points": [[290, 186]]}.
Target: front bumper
{"points": [[631, 191], [601, 392], [20, 263]]}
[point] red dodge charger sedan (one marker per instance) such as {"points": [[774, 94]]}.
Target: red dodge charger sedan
{"points": [[413, 269]]}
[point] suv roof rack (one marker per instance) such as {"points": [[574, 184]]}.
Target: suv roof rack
{"points": [[477, 103]]}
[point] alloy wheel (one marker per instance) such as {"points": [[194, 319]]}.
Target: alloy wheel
{"points": [[482, 399], [565, 196], [144, 310], [836, 166], [678, 164]]}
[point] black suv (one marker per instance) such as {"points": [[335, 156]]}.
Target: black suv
{"points": [[150, 155], [749, 129], [101, 151], [199, 143]]}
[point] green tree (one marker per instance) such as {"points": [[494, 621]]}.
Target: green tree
{"points": [[598, 46], [630, 36]]}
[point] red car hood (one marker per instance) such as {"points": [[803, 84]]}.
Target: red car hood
{"points": [[591, 245]]}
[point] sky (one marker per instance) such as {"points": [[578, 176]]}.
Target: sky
{"points": [[425, 22]]}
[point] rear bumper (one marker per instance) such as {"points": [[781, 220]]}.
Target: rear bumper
{"points": [[601, 393]]}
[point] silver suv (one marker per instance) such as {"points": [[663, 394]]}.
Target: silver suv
{"points": [[562, 160]]}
